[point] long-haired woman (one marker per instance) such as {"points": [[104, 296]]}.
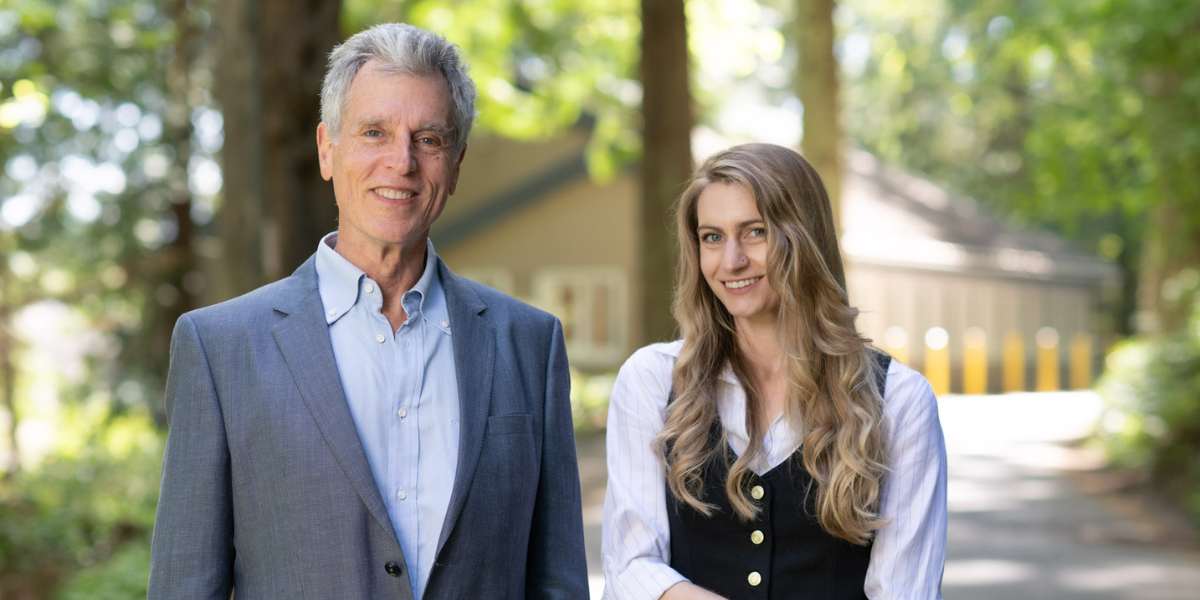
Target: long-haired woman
{"points": [[771, 452]]}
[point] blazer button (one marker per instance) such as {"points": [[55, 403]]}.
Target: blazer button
{"points": [[393, 568], [754, 579], [757, 492], [757, 537]]}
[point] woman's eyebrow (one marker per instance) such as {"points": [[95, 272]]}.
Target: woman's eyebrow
{"points": [[737, 225]]}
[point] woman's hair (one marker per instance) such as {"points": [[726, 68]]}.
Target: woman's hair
{"points": [[831, 376]]}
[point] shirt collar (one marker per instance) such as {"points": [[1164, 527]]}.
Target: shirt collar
{"points": [[339, 282], [727, 375], [337, 279]]}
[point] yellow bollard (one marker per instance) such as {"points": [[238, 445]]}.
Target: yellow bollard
{"points": [[1081, 361], [895, 343], [937, 359], [975, 363], [1014, 362], [1047, 359]]}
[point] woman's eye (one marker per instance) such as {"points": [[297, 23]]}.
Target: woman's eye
{"points": [[757, 232], [710, 237]]}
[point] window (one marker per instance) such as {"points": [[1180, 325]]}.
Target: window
{"points": [[591, 303]]}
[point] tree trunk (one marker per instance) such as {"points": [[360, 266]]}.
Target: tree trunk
{"points": [[175, 266], [237, 91], [666, 156], [817, 84], [275, 205], [1170, 247], [297, 38]]}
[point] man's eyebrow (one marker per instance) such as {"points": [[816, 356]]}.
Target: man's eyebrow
{"points": [[370, 122], [436, 127]]}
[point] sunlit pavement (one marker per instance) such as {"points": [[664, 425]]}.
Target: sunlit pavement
{"points": [[1019, 526]]}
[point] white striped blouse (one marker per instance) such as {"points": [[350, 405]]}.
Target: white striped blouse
{"points": [[908, 553]]}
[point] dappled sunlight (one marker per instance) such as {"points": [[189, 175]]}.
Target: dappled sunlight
{"points": [[967, 573]]}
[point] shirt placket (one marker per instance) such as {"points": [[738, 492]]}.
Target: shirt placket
{"points": [[404, 433]]}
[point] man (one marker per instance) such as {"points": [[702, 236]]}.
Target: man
{"points": [[373, 426]]}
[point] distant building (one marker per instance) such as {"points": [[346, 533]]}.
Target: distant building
{"points": [[527, 220]]}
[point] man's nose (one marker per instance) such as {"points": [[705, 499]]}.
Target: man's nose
{"points": [[401, 157]]}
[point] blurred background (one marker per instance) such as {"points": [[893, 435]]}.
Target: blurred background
{"points": [[1018, 184]]}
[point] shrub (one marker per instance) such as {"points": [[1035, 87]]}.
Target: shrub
{"points": [[1152, 388]]}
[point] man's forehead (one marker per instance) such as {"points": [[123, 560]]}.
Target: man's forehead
{"points": [[374, 104]]}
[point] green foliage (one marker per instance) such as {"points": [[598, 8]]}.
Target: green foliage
{"points": [[589, 400], [1152, 388], [88, 169], [90, 499], [1078, 116], [123, 577], [540, 66]]}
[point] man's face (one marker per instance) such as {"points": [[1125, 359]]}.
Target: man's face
{"points": [[393, 164]]}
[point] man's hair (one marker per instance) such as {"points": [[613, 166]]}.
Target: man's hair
{"points": [[399, 48]]}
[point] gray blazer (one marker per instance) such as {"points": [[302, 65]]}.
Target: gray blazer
{"points": [[266, 489]]}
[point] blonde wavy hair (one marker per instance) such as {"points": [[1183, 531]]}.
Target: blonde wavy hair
{"points": [[831, 375]]}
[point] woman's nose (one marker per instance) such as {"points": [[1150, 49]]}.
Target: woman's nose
{"points": [[735, 257]]}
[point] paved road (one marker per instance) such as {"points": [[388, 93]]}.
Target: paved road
{"points": [[1023, 524]]}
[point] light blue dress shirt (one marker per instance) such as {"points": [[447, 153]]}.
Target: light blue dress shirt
{"points": [[402, 393]]}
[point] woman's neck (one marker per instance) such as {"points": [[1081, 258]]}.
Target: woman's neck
{"points": [[758, 343]]}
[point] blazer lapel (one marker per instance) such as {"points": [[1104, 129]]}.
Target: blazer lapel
{"points": [[303, 338], [474, 355]]}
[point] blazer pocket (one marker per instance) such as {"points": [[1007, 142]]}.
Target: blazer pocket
{"points": [[509, 424]]}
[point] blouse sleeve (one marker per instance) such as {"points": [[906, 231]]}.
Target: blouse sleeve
{"points": [[909, 552], [636, 542]]}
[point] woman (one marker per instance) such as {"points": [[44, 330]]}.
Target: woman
{"points": [[771, 453]]}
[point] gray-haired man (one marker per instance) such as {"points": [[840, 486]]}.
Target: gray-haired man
{"points": [[373, 426]]}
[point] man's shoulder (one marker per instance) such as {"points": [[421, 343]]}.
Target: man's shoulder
{"points": [[249, 309], [503, 306]]}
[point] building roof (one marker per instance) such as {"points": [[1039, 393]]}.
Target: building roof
{"points": [[890, 217], [894, 218]]}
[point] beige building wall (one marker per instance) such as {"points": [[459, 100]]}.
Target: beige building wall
{"points": [[576, 246], [898, 307]]}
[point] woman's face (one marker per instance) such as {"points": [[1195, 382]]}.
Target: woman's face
{"points": [[733, 251]]}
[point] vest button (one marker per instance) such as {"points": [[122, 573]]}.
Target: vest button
{"points": [[756, 537], [757, 492], [754, 579], [393, 568]]}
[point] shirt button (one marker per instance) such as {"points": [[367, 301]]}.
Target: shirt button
{"points": [[756, 537], [402, 495], [403, 412], [754, 579], [757, 492], [370, 289], [379, 338], [445, 324]]}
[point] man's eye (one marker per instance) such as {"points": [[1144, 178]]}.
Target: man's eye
{"points": [[429, 140], [373, 133]]}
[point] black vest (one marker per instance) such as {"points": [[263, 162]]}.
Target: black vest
{"points": [[783, 553]]}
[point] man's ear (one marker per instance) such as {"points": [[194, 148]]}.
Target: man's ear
{"points": [[325, 151], [457, 168]]}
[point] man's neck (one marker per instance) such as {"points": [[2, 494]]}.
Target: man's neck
{"points": [[394, 268]]}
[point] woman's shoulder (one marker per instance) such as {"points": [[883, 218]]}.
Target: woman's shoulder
{"points": [[646, 373], [907, 394], [654, 355]]}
